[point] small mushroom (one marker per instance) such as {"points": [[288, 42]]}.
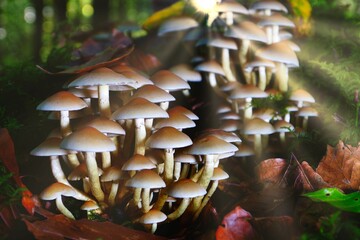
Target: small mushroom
{"points": [[152, 217]]}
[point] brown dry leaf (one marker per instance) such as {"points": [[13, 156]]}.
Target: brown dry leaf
{"points": [[310, 179], [58, 227], [271, 170], [340, 167]]}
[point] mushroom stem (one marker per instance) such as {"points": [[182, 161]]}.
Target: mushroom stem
{"points": [[212, 80], [184, 171], [94, 176], [248, 109], [262, 77], [140, 136], [257, 145], [145, 200], [113, 192], [153, 228], [61, 207], [65, 123], [106, 160], [282, 76], [180, 210], [275, 33], [57, 171], [177, 170], [137, 197], [225, 57], [164, 105], [244, 49], [206, 199], [129, 139], [169, 166], [104, 103], [282, 138], [305, 123]]}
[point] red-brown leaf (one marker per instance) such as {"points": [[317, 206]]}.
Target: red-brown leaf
{"points": [[236, 226], [271, 170], [7, 154]]}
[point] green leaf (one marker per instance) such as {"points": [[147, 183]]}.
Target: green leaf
{"points": [[335, 197]]}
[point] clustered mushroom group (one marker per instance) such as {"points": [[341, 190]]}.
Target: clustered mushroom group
{"points": [[121, 130]]}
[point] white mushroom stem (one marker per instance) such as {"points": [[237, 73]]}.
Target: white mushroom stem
{"points": [[305, 123], [275, 34], [225, 58], [153, 228], [137, 197], [61, 207], [262, 77], [113, 192], [282, 76], [164, 105], [86, 185], [180, 210], [282, 138], [268, 31], [65, 123], [184, 171], [248, 109], [229, 18], [212, 80], [140, 136], [145, 200], [94, 180], [169, 166], [257, 145], [129, 139], [106, 160], [104, 102], [177, 170], [148, 126], [206, 199], [244, 49]]}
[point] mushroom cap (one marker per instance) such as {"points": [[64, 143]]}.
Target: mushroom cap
{"points": [[279, 52], [230, 116], [139, 108], [211, 66], [88, 139], [101, 76], [229, 86], [168, 137], [221, 42], [56, 190], [230, 125], [283, 126], [56, 115], [264, 113], [112, 173], [177, 24], [185, 158], [145, 178], [301, 95], [186, 188], [186, 72], [271, 5], [258, 126], [138, 162], [277, 20], [244, 150], [154, 94], [247, 30], [259, 62], [81, 172], [89, 205], [169, 81], [153, 216], [176, 120], [307, 112], [62, 101], [84, 92], [107, 126], [221, 134], [292, 45], [247, 91], [211, 145], [234, 7], [140, 79], [219, 174], [223, 108], [50, 147], [183, 110]]}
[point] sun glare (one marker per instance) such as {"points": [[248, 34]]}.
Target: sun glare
{"points": [[205, 6]]}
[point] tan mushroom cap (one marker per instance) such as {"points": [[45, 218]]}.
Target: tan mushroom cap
{"points": [[211, 66], [186, 188], [276, 19], [307, 112], [247, 30], [84, 92], [169, 81], [140, 79], [101, 76], [279, 52], [229, 86], [221, 134], [62, 101], [224, 108], [138, 162], [186, 72], [185, 158], [89, 205], [230, 125], [244, 150], [247, 91], [154, 94], [177, 24], [230, 116], [259, 62], [112, 173], [56, 190], [234, 7], [88, 139], [302, 95], [258, 126], [283, 126], [81, 172], [145, 178], [265, 114], [168, 137], [139, 108], [50, 147], [211, 145], [183, 110], [222, 42], [271, 5], [153, 216], [219, 174], [176, 120], [106, 125]]}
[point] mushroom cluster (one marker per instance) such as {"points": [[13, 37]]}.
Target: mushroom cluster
{"points": [[121, 129]]}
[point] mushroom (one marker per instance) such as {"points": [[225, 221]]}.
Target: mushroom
{"points": [[300, 96], [91, 207], [229, 8], [211, 67], [136, 163], [152, 217], [282, 127], [267, 7], [81, 173], [272, 24], [174, 24], [90, 141], [55, 191], [183, 110], [112, 174], [306, 112], [176, 120]]}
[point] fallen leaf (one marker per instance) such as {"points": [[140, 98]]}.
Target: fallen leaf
{"points": [[271, 170], [274, 227], [340, 166], [310, 179], [60, 227], [236, 226]]}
